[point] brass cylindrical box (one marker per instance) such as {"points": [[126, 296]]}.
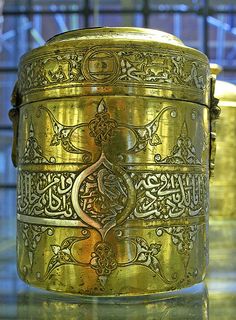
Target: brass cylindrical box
{"points": [[112, 143], [223, 185]]}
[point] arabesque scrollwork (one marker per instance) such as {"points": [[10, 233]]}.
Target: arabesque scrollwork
{"points": [[104, 259], [183, 152], [184, 238], [102, 127], [31, 235], [33, 153], [135, 66]]}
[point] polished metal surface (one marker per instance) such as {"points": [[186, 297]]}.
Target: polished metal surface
{"points": [[112, 143], [20, 301]]}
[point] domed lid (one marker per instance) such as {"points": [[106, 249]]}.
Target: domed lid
{"points": [[226, 93], [114, 61], [215, 69], [116, 33]]}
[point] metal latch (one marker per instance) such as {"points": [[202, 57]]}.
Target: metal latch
{"points": [[214, 115]]}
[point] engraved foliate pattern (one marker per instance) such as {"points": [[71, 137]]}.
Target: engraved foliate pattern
{"points": [[102, 127], [31, 235], [33, 152], [102, 65], [124, 213], [103, 258], [183, 237], [183, 152]]}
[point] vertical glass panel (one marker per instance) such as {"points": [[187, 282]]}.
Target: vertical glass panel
{"points": [[47, 25], [181, 26], [13, 39], [15, 5], [7, 82], [7, 171], [116, 20], [222, 39], [59, 5], [39, 5], [7, 214], [181, 5], [116, 4], [191, 31], [227, 75], [162, 21], [226, 5]]}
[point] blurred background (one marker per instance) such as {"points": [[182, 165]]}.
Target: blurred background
{"points": [[207, 25]]}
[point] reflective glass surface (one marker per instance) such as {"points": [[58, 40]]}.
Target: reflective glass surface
{"points": [[42, 5], [222, 37], [116, 5], [219, 5], [182, 5], [7, 173], [13, 39], [7, 221], [7, 80], [178, 25], [135, 20], [46, 26]]}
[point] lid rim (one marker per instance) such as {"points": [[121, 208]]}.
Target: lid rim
{"points": [[129, 61], [121, 35], [109, 31]]}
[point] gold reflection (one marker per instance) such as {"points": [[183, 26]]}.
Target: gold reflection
{"points": [[189, 305]]}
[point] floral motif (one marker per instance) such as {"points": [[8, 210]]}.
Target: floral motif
{"points": [[146, 134], [182, 236], [32, 235], [62, 136], [102, 126], [33, 152], [146, 255], [183, 152], [62, 254], [103, 260]]}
